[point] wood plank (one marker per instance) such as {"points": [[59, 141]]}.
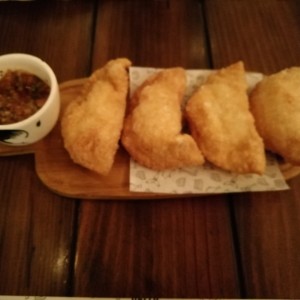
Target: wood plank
{"points": [[170, 248], [268, 228], [265, 34], [36, 226], [36, 233], [154, 33], [166, 248]]}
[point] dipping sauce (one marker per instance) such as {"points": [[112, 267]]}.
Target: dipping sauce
{"points": [[21, 95]]}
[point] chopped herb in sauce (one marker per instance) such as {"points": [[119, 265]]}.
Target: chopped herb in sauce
{"points": [[21, 95]]}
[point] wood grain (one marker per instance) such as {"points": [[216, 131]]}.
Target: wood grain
{"points": [[152, 33], [265, 35], [36, 226], [178, 248], [155, 249]]}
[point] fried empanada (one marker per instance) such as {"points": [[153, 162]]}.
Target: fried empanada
{"points": [[91, 125], [275, 104], [152, 129], [222, 125]]}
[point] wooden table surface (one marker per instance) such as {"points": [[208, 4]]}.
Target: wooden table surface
{"points": [[244, 245]]}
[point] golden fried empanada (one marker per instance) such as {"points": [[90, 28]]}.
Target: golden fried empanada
{"points": [[91, 125], [221, 123], [152, 129], [275, 104]]}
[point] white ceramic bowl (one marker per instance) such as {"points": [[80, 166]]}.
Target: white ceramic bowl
{"points": [[38, 125]]}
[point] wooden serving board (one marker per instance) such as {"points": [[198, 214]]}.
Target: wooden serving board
{"points": [[57, 171]]}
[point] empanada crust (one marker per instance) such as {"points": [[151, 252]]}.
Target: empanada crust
{"points": [[152, 131], [221, 123], [275, 104], [91, 125]]}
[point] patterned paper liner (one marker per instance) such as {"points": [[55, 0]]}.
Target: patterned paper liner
{"points": [[206, 179]]}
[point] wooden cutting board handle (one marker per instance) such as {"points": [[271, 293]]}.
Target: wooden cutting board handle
{"points": [[17, 150]]}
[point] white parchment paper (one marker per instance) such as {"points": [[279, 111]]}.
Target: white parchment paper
{"points": [[204, 179]]}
